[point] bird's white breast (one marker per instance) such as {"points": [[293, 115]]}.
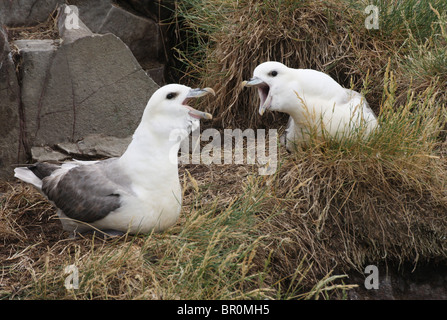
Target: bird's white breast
{"points": [[146, 210]]}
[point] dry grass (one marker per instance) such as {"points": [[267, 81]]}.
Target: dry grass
{"points": [[44, 30], [351, 202], [214, 252], [425, 62], [220, 44], [323, 35], [351, 214]]}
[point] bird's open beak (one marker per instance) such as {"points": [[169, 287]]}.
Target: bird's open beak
{"points": [[196, 93], [263, 90]]}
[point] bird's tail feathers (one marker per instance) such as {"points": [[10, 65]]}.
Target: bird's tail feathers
{"points": [[28, 176]]}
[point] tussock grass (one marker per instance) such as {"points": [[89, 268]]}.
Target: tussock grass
{"points": [[340, 202], [222, 42], [229, 42], [425, 61], [399, 18], [350, 201]]}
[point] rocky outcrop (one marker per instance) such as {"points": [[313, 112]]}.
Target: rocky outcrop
{"points": [[68, 89], [139, 30], [95, 146], [70, 26], [136, 23], [93, 85], [92, 147], [9, 110], [93, 13], [26, 12], [88, 84], [142, 35]]}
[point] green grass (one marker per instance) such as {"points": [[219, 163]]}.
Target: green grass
{"points": [[399, 18]]}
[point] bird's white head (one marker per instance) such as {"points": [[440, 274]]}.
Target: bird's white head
{"points": [[272, 80], [168, 108]]}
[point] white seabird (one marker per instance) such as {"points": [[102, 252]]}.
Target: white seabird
{"points": [[312, 99], [137, 192]]}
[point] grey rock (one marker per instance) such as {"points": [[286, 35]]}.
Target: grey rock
{"points": [[43, 154], [92, 13], [36, 57], [15, 13], [135, 27], [96, 146], [35, 45], [71, 27], [92, 85], [142, 35], [156, 72], [147, 8], [9, 111]]}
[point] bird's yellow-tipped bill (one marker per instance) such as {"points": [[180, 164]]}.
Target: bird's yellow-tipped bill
{"points": [[252, 82], [200, 114], [264, 106], [195, 93]]}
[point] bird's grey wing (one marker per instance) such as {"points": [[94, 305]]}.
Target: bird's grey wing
{"points": [[87, 192]]}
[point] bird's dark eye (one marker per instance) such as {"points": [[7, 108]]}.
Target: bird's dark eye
{"points": [[274, 73], [171, 95]]}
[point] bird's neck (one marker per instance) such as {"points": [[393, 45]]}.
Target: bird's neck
{"points": [[296, 114], [152, 153]]}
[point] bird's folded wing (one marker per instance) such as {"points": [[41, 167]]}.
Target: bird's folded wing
{"points": [[87, 192]]}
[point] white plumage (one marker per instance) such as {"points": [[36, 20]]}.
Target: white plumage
{"points": [[137, 192], [312, 99]]}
